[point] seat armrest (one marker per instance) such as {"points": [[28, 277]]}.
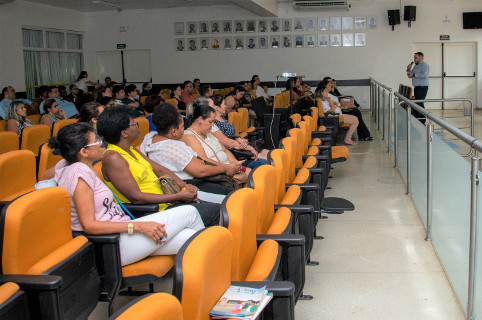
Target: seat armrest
{"points": [[140, 210], [33, 282], [300, 208], [306, 186], [287, 239], [98, 238]]}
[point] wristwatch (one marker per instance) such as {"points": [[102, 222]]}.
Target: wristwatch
{"points": [[130, 228]]}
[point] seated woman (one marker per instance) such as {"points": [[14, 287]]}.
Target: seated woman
{"points": [[166, 148], [133, 177], [198, 136], [16, 119], [226, 133], [52, 113], [176, 94], [152, 102], [300, 95], [89, 113], [329, 106], [95, 212]]}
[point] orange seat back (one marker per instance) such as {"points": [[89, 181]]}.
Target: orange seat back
{"points": [[282, 100], [203, 271], [17, 173], [235, 119], [59, 124], [8, 141], [47, 159], [261, 180], [244, 119], [34, 118], [289, 144], [143, 129], [279, 159], [33, 137], [299, 145], [172, 101], [295, 119], [159, 305], [3, 123], [314, 116], [143, 99], [319, 103]]}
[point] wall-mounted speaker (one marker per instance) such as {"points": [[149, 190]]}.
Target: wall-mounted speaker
{"points": [[393, 18], [409, 13]]}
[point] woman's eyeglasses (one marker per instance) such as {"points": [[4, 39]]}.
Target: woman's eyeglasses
{"points": [[96, 143], [134, 124]]}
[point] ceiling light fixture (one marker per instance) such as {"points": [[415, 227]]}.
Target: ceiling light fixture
{"points": [[107, 4]]}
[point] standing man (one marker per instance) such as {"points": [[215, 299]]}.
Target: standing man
{"points": [[419, 75]]}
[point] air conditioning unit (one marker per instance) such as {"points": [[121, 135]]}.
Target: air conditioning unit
{"points": [[321, 5], [5, 1]]}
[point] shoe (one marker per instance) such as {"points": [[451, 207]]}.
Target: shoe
{"points": [[350, 142], [367, 139]]}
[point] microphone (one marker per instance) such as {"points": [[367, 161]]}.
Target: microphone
{"points": [[411, 63]]}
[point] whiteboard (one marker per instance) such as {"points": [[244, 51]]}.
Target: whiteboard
{"points": [[137, 65]]}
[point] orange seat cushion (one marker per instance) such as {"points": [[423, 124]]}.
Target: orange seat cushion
{"points": [[264, 261], [316, 142], [7, 290], [292, 195], [280, 222], [339, 152], [18, 194], [345, 125], [321, 128], [155, 265], [156, 306], [313, 151], [310, 162], [302, 176]]}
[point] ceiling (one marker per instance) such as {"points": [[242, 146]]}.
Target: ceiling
{"points": [[90, 6]]}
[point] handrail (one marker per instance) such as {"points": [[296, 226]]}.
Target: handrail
{"points": [[381, 85], [465, 137]]}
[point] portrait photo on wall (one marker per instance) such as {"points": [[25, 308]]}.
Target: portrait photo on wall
{"points": [[360, 23], [372, 22], [310, 40], [310, 24], [215, 43], [203, 27], [263, 42], [204, 44], [179, 44], [192, 44], [323, 23], [360, 39], [192, 27], [287, 40], [335, 23], [251, 25], [299, 40], [239, 43], [227, 26], [215, 27], [179, 28], [262, 25], [274, 42], [298, 24], [335, 39], [323, 40], [286, 25], [347, 23], [239, 26], [227, 43], [274, 25], [251, 42], [348, 39]]}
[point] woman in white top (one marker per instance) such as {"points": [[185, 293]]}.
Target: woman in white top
{"points": [[83, 80], [166, 148]]}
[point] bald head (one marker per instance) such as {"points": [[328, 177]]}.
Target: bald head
{"points": [[229, 102]]}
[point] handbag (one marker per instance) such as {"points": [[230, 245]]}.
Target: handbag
{"points": [[169, 185], [222, 178], [258, 145], [241, 155]]}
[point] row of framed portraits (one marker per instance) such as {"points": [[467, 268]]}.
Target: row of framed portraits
{"points": [[275, 25], [273, 41]]}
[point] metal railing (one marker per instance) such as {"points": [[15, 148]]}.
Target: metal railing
{"points": [[377, 104]]}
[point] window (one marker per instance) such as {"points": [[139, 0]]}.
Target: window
{"points": [[50, 57]]}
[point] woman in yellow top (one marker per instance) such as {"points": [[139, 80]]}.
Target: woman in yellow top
{"points": [[133, 177]]}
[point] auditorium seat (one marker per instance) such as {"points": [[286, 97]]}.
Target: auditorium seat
{"points": [[13, 302], [34, 118], [8, 141], [143, 129], [46, 160], [17, 173], [59, 124], [149, 307], [33, 137]]}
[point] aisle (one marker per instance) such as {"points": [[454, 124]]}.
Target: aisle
{"points": [[374, 262]]}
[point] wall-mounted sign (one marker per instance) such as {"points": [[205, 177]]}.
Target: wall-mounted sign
{"points": [[444, 37], [121, 46]]}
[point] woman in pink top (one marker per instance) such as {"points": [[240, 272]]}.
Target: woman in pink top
{"points": [[95, 212]]}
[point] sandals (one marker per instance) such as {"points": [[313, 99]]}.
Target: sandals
{"points": [[367, 139], [350, 142]]}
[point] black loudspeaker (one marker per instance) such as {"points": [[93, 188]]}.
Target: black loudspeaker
{"points": [[409, 13], [393, 17]]}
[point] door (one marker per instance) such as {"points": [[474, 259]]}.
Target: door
{"points": [[133, 66]]}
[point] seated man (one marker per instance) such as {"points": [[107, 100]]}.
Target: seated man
{"points": [[9, 96], [187, 95], [68, 107]]}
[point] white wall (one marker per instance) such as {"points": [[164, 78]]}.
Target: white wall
{"points": [[19, 13]]}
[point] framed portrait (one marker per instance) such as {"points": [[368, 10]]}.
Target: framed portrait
{"points": [[263, 26], [203, 27], [215, 27], [335, 23], [360, 23], [310, 24], [347, 39], [251, 25], [299, 40], [204, 44], [372, 22], [274, 25], [191, 27], [347, 23], [251, 42], [335, 39], [227, 26], [215, 43], [286, 25], [310, 40], [191, 44], [323, 40], [263, 42], [180, 44], [360, 39], [227, 43], [298, 24], [179, 28], [239, 43], [239, 26], [323, 23], [274, 42], [287, 41]]}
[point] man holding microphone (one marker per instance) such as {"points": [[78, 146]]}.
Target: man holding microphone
{"points": [[419, 75]]}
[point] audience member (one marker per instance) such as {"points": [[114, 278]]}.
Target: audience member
{"points": [[89, 113], [17, 117], [74, 93], [176, 94], [131, 99], [146, 86], [69, 108], [83, 80], [206, 91], [52, 113], [187, 95], [9, 96], [152, 102]]}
